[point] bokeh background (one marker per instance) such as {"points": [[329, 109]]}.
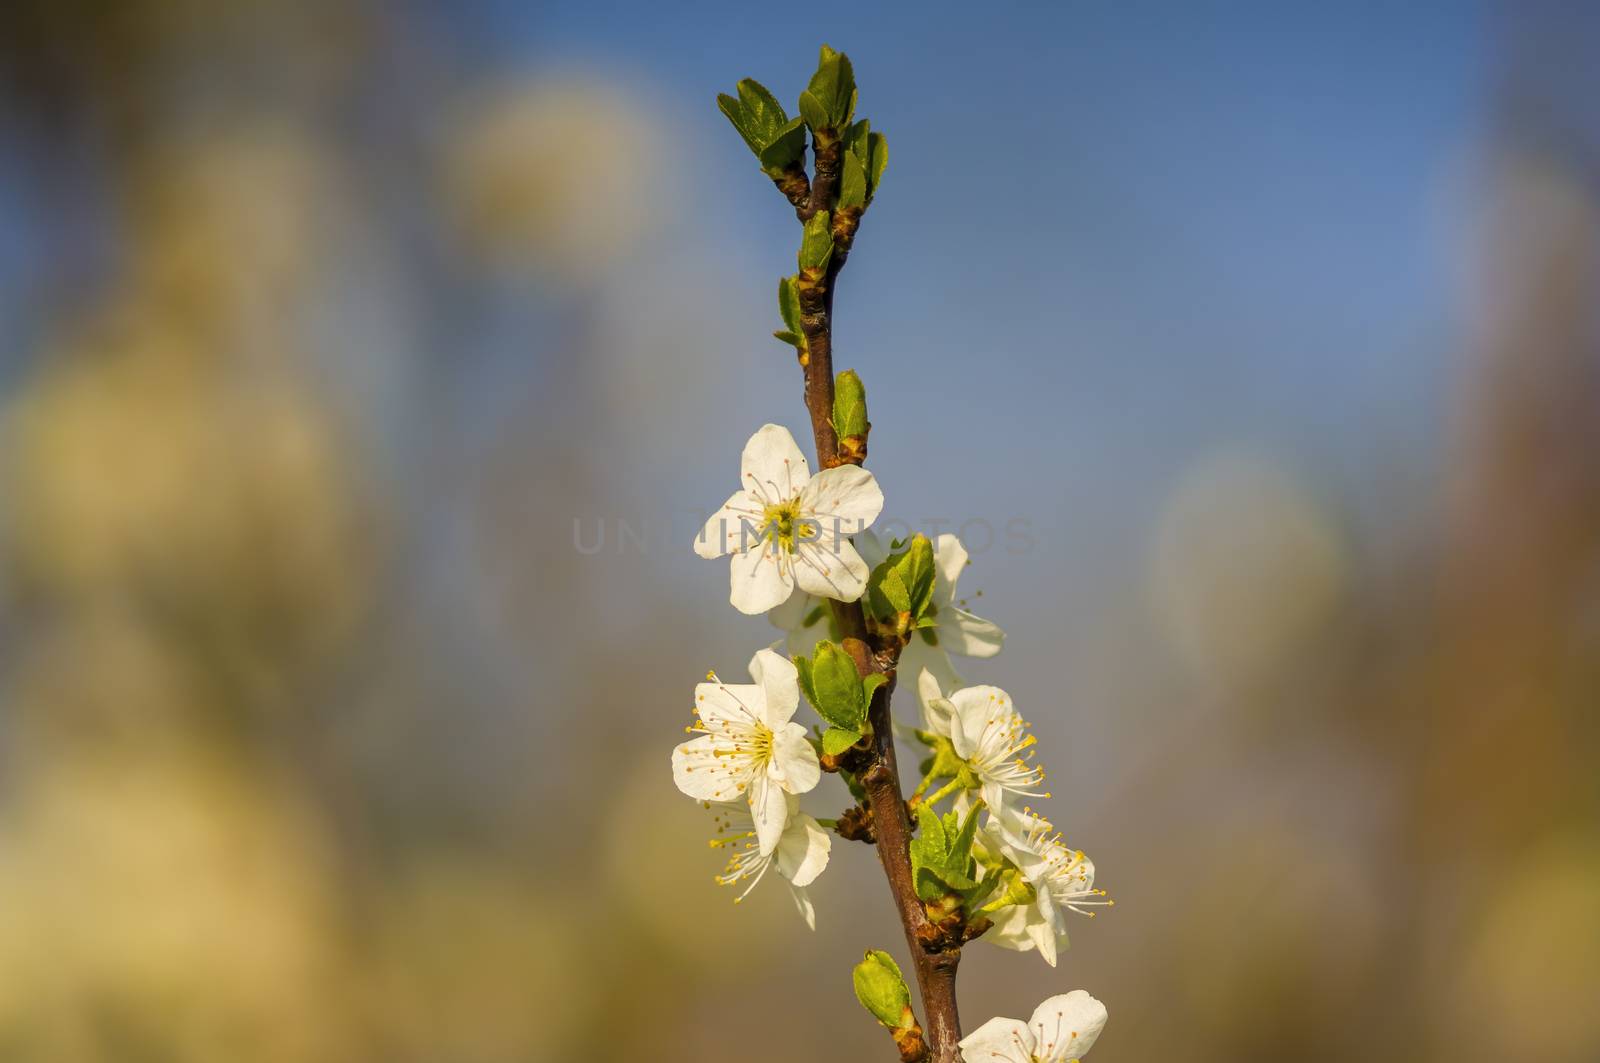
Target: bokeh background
{"points": [[364, 369]]}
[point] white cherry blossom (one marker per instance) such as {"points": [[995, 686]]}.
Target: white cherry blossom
{"points": [[747, 747], [1062, 1029], [800, 855], [1059, 878], [786, 527], [988, 734]]}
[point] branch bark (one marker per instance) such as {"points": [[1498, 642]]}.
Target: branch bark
{"points": [[934, 958]]}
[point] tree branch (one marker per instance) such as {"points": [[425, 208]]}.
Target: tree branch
{"points": [[934, 955]]}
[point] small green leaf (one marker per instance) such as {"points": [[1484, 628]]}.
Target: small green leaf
{"points": [[903, 583], [836, 740], [917, 571], [832, 91], [787, 148], [734, 110], [929, 847], [849, 405], [852, 181], [881, 988], [858, 139], [835, 688], [763, 113], [877, 159], [802, 666], [789, 304], [929, 886], [871, 683], [886, 592], [964, 834], [816, 248], [790, 338], [813, 112]]}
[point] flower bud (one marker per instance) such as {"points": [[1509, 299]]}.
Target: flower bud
{"points": [[850, 415], [882, 990]]}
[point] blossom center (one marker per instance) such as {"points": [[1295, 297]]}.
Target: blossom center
{"points": [[781, 522]]}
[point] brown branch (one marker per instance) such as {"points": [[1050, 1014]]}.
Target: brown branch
{"points": [[934, 953]]}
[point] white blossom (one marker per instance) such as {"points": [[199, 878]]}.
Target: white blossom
{"points": [[1062, 1029], [989, 735], [786, 527], [800, 855], [747, 747], [1055, 879]]}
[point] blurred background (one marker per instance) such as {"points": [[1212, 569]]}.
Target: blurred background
{"points": [[364, 372]]}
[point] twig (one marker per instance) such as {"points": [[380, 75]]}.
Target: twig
{"points": [[934, 956]]}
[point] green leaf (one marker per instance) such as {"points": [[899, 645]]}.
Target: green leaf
{"points": [[916, 569], [816, 248], [787, 148], [834, 688], [870, 684], [903, 583], [763, 113], [941, 854], [928, 848], [734, 110], [789, 304], [849, 405], [962, 837], [881, 989], [886, 592], [813, 112], [836, 740], [832, 92], [852, 181], [877, 159], [802, 666], [858, 139], [790, 338]]}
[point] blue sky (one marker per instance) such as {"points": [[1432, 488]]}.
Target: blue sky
{"points": [[1175, 225]]}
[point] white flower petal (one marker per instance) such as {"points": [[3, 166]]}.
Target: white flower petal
{"points": [[975, 707], [730, 529], [739, 704], [971, 636], [999, 1041], [802, 901], [1065, 1027], [928, 686], [1043, 934], [794, 761], [791, 615], [701, 773], [780, 686], [844, 500], [874, 548], [919, 658], [803, 643], [1010, 929], [803, 850], [830, 569], [759, 580], [769, 810], [772, 466], [949, 558]]}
